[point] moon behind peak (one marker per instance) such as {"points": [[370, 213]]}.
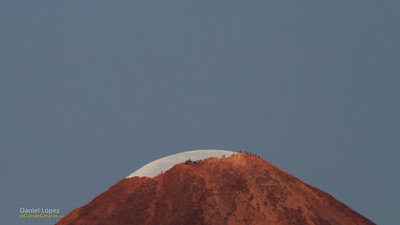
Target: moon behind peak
{"points": [[154, 168]]}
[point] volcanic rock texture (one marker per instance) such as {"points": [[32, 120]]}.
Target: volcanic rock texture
{"points": [[239, 190]]}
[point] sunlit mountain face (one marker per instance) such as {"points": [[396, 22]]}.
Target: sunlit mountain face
{"points": [[239, 189]]}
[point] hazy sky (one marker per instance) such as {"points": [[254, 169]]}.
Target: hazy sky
{"points": [[92, 90]]}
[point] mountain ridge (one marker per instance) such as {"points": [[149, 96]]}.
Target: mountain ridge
{"points": [[240, 189]]}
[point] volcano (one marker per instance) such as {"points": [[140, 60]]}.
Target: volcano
{"points": [[242, 189]]}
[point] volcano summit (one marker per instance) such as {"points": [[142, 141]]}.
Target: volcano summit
{"points": [[242, 189]]}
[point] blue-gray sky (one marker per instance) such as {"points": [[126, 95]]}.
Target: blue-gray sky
{"points": [[92, 90]]}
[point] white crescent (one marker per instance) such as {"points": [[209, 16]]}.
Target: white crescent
{"points": [[161, 165]]}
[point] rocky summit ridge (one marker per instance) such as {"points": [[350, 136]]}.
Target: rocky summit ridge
{"points": [[242, 189]]}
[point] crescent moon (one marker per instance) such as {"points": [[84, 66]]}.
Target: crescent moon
{"points": [[163, 164]]}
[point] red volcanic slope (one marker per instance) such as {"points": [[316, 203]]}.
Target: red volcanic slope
{"points": [[239, 190]]}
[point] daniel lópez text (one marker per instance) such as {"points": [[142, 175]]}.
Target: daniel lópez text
{"points": [[40, 212]]}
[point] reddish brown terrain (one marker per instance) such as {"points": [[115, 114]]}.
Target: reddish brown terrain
{"points": [[239, 190]]}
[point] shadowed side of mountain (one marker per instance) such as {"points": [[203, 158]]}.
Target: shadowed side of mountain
{"points": [[241, 189]]}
